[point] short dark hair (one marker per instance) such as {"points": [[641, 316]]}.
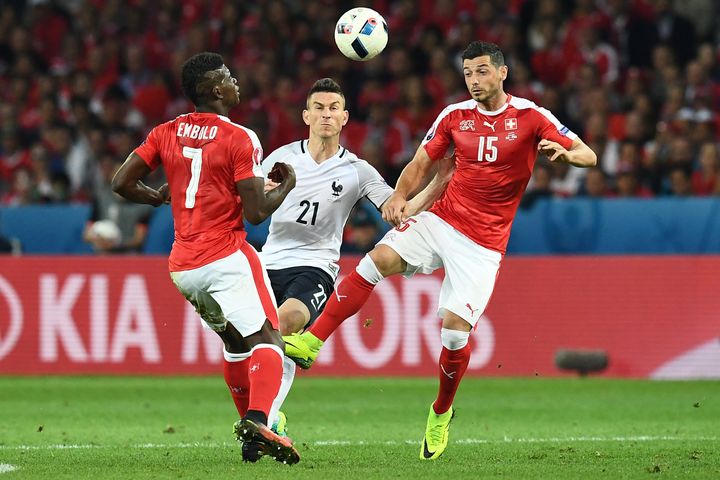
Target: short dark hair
{"points": [[194, 69], [480, 49], [325, 85]]}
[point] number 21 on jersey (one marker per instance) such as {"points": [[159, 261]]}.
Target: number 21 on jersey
{"points": [[487, 149]]}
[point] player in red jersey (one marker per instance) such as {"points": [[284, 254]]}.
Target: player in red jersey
{"points": [[496, 138], [214, 177]]}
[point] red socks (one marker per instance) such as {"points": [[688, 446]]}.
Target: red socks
{"points": [[349, 296], [254, 382], [265, 374], [453, 364], [236, 378]]}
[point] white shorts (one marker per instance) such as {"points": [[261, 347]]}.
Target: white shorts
{"points": [[234, 289], [426, 243]]}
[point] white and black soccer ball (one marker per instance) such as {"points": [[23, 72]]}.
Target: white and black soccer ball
{"points": [[361, 33]]}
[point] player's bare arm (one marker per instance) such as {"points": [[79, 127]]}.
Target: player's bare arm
{"points": [[258, 204], [579, 155], [412, 176], [424, 200], [127, 184]]}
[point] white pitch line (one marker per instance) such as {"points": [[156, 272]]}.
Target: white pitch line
{"points": [[6, 468], [354, 443]]}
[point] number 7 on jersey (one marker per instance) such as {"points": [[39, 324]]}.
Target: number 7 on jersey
{"points": [[195, 165]]}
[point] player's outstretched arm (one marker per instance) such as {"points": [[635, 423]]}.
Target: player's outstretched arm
{"points": [[412, 176], [427, 196], [258, 204], [579, 155], [127, 184]]}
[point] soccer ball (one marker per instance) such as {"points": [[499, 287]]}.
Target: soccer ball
{"points": [[361, 33]]}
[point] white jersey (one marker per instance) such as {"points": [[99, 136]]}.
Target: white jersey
{"points": [[307, 228]]}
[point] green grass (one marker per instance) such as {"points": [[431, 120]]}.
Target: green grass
{"points": [[179, 427]]}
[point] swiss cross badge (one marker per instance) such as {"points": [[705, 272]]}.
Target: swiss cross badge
{"points": [[511, 124], [467, 125]]}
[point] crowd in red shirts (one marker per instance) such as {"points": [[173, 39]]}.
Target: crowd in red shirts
{"points": [[82, 81]]}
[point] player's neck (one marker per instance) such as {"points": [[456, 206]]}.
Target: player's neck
{"points": [[321, 149], [494, 103], [216, 108]]}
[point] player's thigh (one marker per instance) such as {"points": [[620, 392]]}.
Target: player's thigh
{"points": [[241, 287], [192, 284], [415, 242], [470, 274], [312, 287]]}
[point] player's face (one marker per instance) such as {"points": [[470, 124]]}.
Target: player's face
{"points": [[482, 78], [325, 114], [227, 85]]}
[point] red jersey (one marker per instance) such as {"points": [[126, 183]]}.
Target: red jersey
{"points": [[495, 154], [204, 154]]}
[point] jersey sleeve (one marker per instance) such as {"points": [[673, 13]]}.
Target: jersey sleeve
{"points": [[439, 137], [372, 184], [272, 159], [149, 150], [247, 157], [550, 128]]}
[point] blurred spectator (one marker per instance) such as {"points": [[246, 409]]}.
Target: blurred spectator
{"points": [[679, 182], [83, 80], [539, 186], [705, 177], [595, 185], [115, 225], [363, 230]]}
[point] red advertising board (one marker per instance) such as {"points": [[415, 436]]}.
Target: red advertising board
{"points": [[654, 316]]}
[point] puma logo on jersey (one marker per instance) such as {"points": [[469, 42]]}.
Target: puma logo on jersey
{"points": [[472, 310], [467, 125], [337, 188], [490, 125]]}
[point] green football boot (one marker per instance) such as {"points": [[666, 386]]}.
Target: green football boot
{"points": [[302, 348], [279, 426], [436, 434]]}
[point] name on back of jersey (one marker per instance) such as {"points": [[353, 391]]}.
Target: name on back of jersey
{"points": [[196, 132]]}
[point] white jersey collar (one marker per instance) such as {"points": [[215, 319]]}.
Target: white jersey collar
{"points": [[498, 111]]}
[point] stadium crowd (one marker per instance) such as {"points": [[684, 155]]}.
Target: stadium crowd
{"points": [[83, 81]]}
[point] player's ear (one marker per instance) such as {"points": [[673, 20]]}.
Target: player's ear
{"points": [[503, 72], [217, 91], [306, 117], [346, 117]]}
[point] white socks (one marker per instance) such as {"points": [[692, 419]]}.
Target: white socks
{"points": [[453, 339], [368, 270], [287, 380]]}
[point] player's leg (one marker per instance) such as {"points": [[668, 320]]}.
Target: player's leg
{"points": [[252, 312], [304, 293], [193, 284], [464, 294], [404, 249], [453, 362], [349, 296]]}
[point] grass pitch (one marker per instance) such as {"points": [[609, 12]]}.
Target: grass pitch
{"points": [[180, 427]]}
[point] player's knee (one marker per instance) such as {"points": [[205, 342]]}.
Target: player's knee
{"points": [[291, 322], [386, 260]]}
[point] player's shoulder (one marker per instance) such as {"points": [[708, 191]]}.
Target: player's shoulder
{"points": [[238, 131], [353, 160], [519, 103], [459, 108]]}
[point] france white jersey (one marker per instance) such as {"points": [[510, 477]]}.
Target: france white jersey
{"points": [[307, 228]]}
